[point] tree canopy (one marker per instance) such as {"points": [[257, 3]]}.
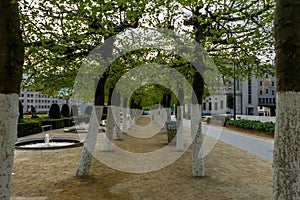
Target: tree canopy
{"points": [[60, 34]]}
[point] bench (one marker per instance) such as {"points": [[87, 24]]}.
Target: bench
{"points": [[46, 126]]}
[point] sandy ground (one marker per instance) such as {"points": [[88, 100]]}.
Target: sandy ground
{"points": [[231, 173]]}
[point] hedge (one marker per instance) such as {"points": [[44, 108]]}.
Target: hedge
{"points": [[56, 123], [68, 122], [251, 124], [31, 128], [79, 120]]}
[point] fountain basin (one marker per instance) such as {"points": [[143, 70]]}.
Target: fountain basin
{"points": [[55, 143]]}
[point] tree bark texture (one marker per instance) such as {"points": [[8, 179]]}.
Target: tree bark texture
{"points": [[180, 136], [11, 63], [85, 163], [286, 161], [197, 143]]}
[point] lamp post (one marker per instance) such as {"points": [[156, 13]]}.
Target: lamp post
{"points": [[234, 93]]}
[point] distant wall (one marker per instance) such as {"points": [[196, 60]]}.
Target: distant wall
{"points": [[259, 118]]}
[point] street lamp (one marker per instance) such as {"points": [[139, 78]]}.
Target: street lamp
{"points": [[234, 93]]}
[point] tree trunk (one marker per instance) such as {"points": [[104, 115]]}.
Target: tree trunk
{"points": [[180, 136], [89, 143], [197, 144], [124, 120], [109, 130], [11, 62], [196, 126], [109, 124], [286, 163], [116, 108], [117, 122]]}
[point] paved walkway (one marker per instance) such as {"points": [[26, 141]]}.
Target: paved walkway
{"points": [[259, 147]]}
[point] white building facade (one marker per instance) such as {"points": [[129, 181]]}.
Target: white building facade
{"points": [[255, 96], [42, 103]]}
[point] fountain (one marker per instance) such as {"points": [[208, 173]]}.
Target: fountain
{"points": [[48, 143], [47, 140]]}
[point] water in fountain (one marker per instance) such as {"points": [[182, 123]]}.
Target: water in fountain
{"points": [[49, 143], [47, 140]]}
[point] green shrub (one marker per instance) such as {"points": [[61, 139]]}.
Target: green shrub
{"points": [[68, 122], [54, 112], [65, 110], [269, 127], [250, 124], [79, 120], [31, 128]]}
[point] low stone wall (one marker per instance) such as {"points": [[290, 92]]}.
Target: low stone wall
{"points": [[258, 118]]}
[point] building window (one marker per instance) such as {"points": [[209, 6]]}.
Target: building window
{"points": [[260, 83], [216, 105], [28, 95], [263, 100], [274, 100], [267, 100], [260, 92], [273, 92], [273, 83], [222, 104], [204, 106], [267, 91], [267, 76], [259, 100], [209, 106]]}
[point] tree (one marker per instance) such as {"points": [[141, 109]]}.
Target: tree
{"points": [[69, 30], [59, 34], [54, 111], [286, 161], [65, 110], [11, 62], [231, 32]]}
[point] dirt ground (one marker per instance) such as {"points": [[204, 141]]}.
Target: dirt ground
{"points": [[231, 173]]}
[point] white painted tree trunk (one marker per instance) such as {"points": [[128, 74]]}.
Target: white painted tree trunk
{"points": [[286, 163], [124, 120], [89, 143], [109, 130], [197, 144], [9, 112], [168, 112], [154, 113], [117, 123], [179, 137], [131, 118], [135, 116]]}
